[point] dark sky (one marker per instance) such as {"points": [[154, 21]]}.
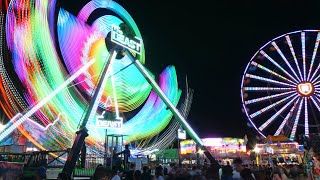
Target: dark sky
{"points": [[211, 42]]}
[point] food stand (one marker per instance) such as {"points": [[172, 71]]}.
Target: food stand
{"points": [[278, 148]]}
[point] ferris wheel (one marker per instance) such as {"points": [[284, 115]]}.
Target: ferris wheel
{"points": [[280, 87]]}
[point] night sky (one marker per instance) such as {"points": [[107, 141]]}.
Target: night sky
{"points": [[211, 42]]}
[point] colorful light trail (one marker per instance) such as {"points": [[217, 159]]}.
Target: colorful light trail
{"points": [[42, 57]]}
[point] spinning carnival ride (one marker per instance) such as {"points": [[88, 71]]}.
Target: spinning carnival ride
{"points": [[280, 87], [50, 65]]}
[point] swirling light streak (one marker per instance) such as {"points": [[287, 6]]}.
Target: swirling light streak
{"points": [[101, 90], [39, 72], [271, 106], [276, 64], [128, 98], [30, 38], [181, 119], [4, 5], [315, 50], [8, 130], [268, 80], [285, 59], [293, 54], [270, 120], [170, 135], [294, 128]]}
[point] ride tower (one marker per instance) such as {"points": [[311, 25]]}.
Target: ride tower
{"points": [[123, 47]]}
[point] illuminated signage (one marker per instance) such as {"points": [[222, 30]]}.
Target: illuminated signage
{"points": [[107, 123], [305, 88], [187, 147], [182, 134], [118, 37]]}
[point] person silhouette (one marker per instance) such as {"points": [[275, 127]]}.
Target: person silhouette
{"points": [[126, 153]]}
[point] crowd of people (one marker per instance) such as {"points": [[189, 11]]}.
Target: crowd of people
{"points": [[235, 171]]}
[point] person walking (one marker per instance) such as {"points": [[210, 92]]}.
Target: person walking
{"points": [[227, 172], [245, 173]]}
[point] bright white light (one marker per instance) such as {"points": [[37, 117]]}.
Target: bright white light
{"points": [[23, 118], [305, 88], [200, 151], [2, 127], [256, 149]]}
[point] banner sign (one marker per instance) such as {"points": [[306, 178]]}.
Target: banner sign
{"points": [[118, 37], [107, 123], [182, 134]]}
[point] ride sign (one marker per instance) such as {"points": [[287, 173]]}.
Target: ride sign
{"points": [[103, 122], [118, 37]]}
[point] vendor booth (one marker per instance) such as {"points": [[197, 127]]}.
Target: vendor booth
{"points": [[279, 149]]}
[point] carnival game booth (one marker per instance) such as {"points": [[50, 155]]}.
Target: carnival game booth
{"points": [[222, 148], [279, 148]]}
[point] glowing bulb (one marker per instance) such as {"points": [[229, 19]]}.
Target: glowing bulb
{"points": [[305, 88]]}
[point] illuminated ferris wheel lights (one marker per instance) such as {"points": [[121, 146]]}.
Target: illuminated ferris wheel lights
{"points": [[303, 42], [293, 54], [271, 72], [305, 89], [315, 50], [276, 115], [294, 128], [276, 64], [285, 121], [285, 84], [285, 60]]}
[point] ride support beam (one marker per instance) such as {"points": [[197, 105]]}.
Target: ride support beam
{"points": [[92, 108], [172, 108]]}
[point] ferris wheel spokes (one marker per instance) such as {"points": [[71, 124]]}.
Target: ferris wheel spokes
{"points": [[315, 103], [315, 50], [267, 97], [277, 65], [285, 59], [284, 122], [317, 96], [268, 80], [296, 120], [271, 106], [271, 72], [306, 117], [270, 120], [267, 89], [303, 43], [293, 54], [277, 92], [315, 81]]}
